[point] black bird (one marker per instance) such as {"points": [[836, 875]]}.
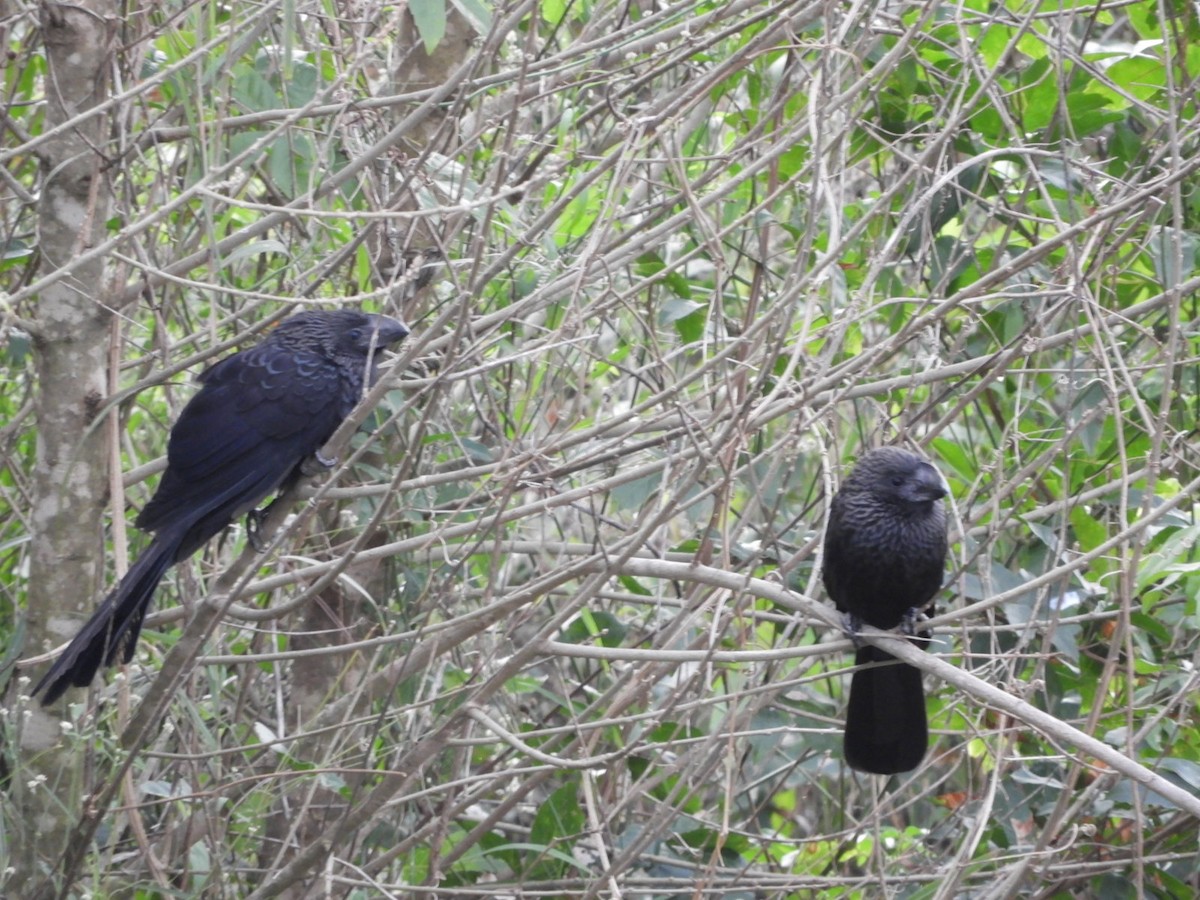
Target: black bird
{"points": [[260, 415], [885, 556]]}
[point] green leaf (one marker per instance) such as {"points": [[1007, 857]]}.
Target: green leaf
{"points": [[1040, 95], [590, 625], [633, 494], [685, 315], [290, 162], [522, 684], [651, 264], [331, 781], [301, 86], [1141, 78], [253, 249], [1090, 112], [634, 586], [199, 860], [1173, 252], [578, 217], [476, 13], [560, 819], [255, 92], [158, 788], [430, 19], [1187, 770], [1088, 531], [542, 852], [477, 453], [15, 248]]}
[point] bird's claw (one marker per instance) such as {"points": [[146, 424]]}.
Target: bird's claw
{"points": [[852, 625], [910, 624], [317, 463], [254, 523]]}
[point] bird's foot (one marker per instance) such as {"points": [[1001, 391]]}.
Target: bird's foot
{"points": [[317, 463], [910, 624], [852, 625], [254, 523]]}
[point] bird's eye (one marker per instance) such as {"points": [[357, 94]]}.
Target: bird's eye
{"points": [[897, 480], [355, 333]]}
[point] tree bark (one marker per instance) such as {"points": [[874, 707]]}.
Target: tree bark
{"points": [[71, 348]]}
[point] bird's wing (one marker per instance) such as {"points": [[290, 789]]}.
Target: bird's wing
{"points": [[258, 415]]}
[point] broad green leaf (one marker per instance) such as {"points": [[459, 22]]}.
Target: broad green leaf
{"points": [[430, 19]]}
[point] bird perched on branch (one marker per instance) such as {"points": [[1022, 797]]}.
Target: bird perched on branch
{"points": [[259, 416], [885, 556]]}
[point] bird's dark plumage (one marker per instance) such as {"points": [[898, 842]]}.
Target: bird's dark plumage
{"points": [[259, 415], [885, 555]]}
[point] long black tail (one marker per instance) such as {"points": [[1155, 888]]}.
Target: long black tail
{"points": [[885, 719], [114, 626]]}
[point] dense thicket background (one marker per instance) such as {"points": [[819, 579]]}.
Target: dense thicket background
{"points": [[554, 629]]}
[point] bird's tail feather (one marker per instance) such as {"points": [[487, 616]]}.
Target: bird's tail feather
{"points": [[114, 626], [886, 730]]}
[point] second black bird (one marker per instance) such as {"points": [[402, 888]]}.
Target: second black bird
{"points": [[258, 417], [885, 555]]}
